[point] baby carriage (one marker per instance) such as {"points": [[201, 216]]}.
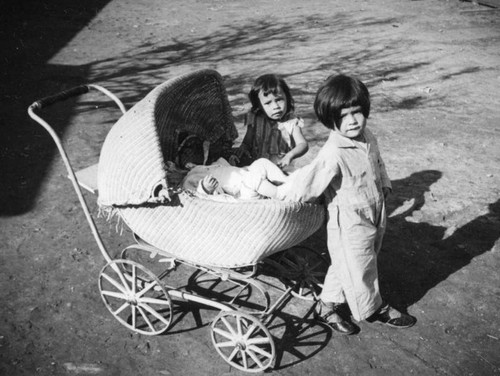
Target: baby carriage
{"points": [[137, 182]]}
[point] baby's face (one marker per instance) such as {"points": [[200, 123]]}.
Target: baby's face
{"points": [[273, 105]]}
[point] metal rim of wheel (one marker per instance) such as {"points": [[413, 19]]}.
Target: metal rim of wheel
{"points": [[307, 276], [243, 341], [135, 296]]}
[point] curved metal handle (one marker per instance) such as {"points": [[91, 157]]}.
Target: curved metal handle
{"points": [[47, 101], [63, 95]]}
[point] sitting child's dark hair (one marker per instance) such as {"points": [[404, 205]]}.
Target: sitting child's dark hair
{"points": [[339, 92], [269, 83]]}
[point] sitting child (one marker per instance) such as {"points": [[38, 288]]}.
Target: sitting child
{"points": [[259, 180]]}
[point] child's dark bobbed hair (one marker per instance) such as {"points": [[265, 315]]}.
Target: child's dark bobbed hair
{"points": [[269, 84], [339, 92]]}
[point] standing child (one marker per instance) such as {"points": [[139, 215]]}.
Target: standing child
{"points": [[350, 173], [273, 131]]}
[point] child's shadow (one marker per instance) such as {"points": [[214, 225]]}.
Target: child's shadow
{"points": [[416, 255]]}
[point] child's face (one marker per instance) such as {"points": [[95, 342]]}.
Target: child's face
{"points": [[273, 105], [352, 122]]}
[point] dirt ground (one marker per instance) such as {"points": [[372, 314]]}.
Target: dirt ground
{"points": [[433, 68]]}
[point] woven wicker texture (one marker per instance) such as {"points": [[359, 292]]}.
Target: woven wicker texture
{"points": [[201, 231], [131, 164], [219, 234]]}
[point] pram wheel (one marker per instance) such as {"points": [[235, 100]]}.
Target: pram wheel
{"points": [[243, 341], [301, 267], [135, 296]]}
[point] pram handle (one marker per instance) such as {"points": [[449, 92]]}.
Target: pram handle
{"points": [[63, 95], [71, 174], [74, 92]]}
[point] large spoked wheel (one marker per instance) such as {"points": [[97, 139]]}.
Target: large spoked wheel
{"points": [[304, 269], [135, 297], [243, 341]]}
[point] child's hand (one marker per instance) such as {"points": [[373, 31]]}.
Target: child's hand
{"points": [[234, 160], [285, 161], [241, 152], [209, 184]]}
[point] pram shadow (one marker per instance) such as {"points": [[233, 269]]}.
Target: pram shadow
{"points": [[297, 336]]}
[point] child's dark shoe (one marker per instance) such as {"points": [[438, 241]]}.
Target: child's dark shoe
{"points": [[390, 316], [335, 316]]}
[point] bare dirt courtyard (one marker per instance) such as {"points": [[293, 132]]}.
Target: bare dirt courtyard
{"points": [[433, 69]]}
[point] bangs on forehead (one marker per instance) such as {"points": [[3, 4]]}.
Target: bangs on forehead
{"points": [[271, 88], [349, 97], [349, 102]]}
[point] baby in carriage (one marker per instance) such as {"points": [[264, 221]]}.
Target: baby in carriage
{"points": [[221, 180], [259, 180]]}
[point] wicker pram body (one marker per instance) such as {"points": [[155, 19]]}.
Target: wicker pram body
{"points": [[133, 181]]}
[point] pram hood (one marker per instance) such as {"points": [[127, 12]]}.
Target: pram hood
{"points": [[132, 168]]}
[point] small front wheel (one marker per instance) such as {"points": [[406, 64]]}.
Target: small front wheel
{"points": [[135, 296], [243, 341]]}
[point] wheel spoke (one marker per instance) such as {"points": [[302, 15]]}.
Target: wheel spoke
{"points": [[123, 288], [260, 351], [316, 295], [120, 309], [134, 278], [239, 328], [223, 333], [233, 354], [145, 317], [314, 276], [254, 357], [146, 288], [154, 313], [117, 295], [134, 315], [122, 277], [290, 262], [301, 290], [250, 332], [154, 301], [225, 344], [316, 265], [244, 359], [259, 341], [228, 326]]}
